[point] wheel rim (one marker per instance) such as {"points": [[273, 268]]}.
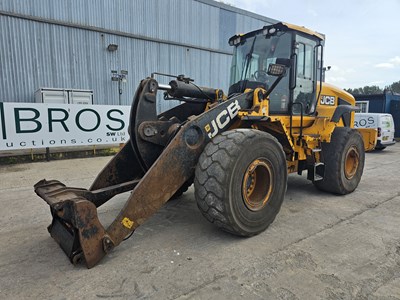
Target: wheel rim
{"points": [[352, 161], [257, 184]]}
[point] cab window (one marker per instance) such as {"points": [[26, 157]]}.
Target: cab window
{"points": [[304, 92]]}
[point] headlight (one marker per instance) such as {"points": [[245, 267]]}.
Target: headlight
{"points": [[234, 41], [276, 70], [269, 31]]}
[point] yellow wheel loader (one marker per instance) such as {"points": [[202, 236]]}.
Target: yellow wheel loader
{"points": [[277, 118]]}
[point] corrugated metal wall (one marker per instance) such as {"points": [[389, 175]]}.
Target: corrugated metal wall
{"points": [[63, 44]]}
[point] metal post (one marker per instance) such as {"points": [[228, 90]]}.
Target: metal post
{"points": [[119, 91], [47, 153], [120, 77]]}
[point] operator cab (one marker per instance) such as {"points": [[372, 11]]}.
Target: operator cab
{"points": [[255, 51]]}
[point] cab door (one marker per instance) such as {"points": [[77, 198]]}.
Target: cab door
{"points": [[305, 91]]}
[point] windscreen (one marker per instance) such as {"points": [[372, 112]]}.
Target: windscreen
{"points": [[250, 64], [252, 57]]}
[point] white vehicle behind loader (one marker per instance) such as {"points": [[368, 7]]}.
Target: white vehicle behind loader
{"points": [[383, 123]]}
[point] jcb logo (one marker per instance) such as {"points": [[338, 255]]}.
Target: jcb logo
{"points": [[328, 100], [223, 119]]}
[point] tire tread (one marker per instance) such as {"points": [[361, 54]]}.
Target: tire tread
{"points": [[334, 150], [222, 151]]}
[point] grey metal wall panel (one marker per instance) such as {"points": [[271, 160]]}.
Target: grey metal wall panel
{"points": [[42, 55], [227, 28], [187, 21], [38, 53], [245, 23]]}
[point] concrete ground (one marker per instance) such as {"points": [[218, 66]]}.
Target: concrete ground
{"points": [[320, 246]]}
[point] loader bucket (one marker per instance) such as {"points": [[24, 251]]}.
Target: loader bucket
{"points": [[75, 225]]}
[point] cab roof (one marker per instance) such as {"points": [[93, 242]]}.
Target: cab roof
{"points": [[304, 30], [281, 27]]}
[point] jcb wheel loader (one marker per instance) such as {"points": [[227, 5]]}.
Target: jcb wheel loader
{"points": [[277, 118]]}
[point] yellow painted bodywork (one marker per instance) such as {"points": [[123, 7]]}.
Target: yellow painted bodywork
{"points": [[302, 139], [316, 128], [369, 136]]}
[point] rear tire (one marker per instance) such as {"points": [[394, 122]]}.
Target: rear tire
{"points": [[240, 181], [344, 160]]}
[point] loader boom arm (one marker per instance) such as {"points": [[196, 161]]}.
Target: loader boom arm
{"points": [[75, 224]]}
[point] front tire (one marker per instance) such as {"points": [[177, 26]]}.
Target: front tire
{"points": [[344, 160], [240, 181]]}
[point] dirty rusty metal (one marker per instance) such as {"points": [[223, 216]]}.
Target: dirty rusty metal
{"points": [[150, 132], [78, 231], [158, 132], [75, 224], [116, 171], [55, 192]]}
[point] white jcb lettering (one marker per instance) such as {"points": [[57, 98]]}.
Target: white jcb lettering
{"points": [[221, 124], [233, 109], [328, 100], [214, 132], [223, 119]]}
